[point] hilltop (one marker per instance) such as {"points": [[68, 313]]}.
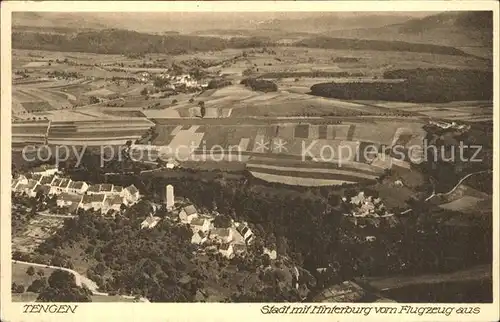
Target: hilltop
{"points": [[457, 29]]}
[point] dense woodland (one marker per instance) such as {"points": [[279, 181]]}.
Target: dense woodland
{"points": [[379, 45], [261, 85], [117, 41], [435, 85]]}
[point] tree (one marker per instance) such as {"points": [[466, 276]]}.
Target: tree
{"points": [[30, 271], [37, 285], [93, 100], [17, 288], [62, 288], [40, 273], [144, 91]]}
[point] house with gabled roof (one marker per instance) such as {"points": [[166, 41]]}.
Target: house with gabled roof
{"points": [[47, 180], [131, 194], [105, 188], [117, 189], [221, 235], [95, 201], [93, 189], [245, 231], [69, 200], [187, 214], [150, 222], [113, 202], [199, 238], [78, 187], [37, 177], [64, 184], [226, 250]]}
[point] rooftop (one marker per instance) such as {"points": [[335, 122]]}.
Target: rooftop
{"points": [[222, 232], [46, 179], [190, 210], [106, 187], [197, 222], [93, 198], [132, 189], [93, 188], [76, 185], [69, 197]]}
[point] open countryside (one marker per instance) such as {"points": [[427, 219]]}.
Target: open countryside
{"points": [[286, 162]]}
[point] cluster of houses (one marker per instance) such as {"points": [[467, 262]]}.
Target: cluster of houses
{"points": [[366, 206], [75, 195], [451, 126], [176, 81], [227, 241]]}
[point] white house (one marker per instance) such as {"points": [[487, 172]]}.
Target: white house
{"points": [[95, 201], [245, 232], [221, 235], [199, 238], [187, 214], [226, 250], [67, 200], [78, 187], [150, 222], [271, 253], [112, 203], [200, 224], [131, 194], [62, 185]]}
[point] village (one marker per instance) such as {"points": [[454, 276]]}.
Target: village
{"points": [[109, 200]]}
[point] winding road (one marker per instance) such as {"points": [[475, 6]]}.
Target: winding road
{"points": [[80, 280], [434, 194]]}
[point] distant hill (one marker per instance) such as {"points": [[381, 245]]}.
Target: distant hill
{"points": [[463, 30], [115, 41], [187, 22]]}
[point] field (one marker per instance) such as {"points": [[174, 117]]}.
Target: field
{"points": [[19, 275], [275, 127]]}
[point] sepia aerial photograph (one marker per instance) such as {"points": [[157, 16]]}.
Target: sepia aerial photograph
{"points": [[252, 157]]}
